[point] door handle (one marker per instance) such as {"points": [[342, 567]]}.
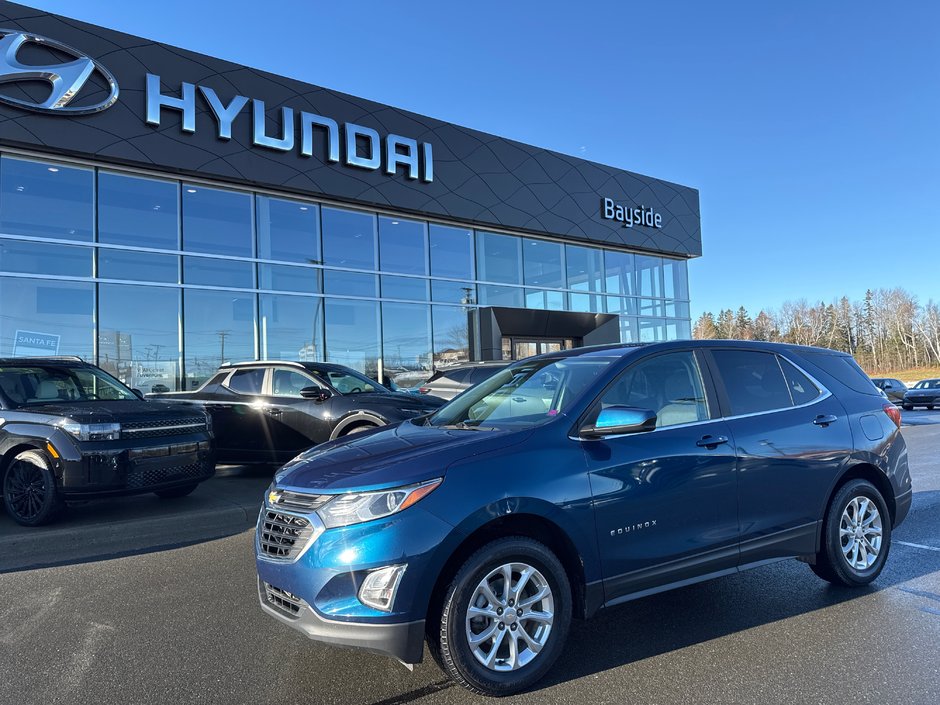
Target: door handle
{"points": [[825, 419], [711, 441]]}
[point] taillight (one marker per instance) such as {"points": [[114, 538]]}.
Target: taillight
{"points": [[423, 390], [894, 413]]}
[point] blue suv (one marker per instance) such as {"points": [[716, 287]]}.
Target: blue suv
{"points": [[575, 481]]}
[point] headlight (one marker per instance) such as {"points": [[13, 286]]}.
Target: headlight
{"points": [[92, 431], [355, 508]]}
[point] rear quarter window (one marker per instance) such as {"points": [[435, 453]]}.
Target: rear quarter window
{"points": [[843, 369]]}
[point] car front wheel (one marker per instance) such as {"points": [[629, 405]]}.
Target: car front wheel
{"points": [[505, 617], [29, 490], [856, 536]]}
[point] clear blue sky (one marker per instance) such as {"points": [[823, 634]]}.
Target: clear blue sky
{"points": [[811, 129]]}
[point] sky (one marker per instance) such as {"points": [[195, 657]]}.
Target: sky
{"points": [[811, 129]]}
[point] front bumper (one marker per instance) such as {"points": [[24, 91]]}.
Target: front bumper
{"points": [[921, 401], [403, 640], [323, 573], [107, 469]]}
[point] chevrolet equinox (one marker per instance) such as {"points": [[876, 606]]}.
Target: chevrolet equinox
{"points": [[574, 481]]}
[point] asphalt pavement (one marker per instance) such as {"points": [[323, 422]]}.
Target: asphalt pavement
{"points": [[182, 625]]}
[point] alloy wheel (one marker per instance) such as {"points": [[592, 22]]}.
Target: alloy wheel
{"points": [[510, 616], [25, 490], [860, 533]]}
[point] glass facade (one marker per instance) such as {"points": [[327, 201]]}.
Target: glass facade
{"points": [[161, 280]]}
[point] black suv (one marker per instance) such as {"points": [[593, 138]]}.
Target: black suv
{"points": [[268, 412], [69, 430]]}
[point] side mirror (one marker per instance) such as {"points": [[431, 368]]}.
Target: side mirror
{"points": [[888, 385], [616, 420], [139, 394], [316, 393]]}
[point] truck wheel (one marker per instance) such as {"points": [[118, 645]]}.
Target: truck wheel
{"points": [[505, 617], [856, 536], [29, 489]]}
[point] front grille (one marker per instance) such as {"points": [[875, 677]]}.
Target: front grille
{"points": [[282, 536], [149, 477], [165, 427], [284, 601], [297, 501]]}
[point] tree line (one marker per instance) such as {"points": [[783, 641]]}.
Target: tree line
{"points": [[888, 330]]}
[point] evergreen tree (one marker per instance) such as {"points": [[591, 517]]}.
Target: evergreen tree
{"points": [[705, 328]]}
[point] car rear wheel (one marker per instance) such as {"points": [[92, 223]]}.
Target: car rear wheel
{"points": [[505, 617], [176, 492], [856, 536], [29, 489]]}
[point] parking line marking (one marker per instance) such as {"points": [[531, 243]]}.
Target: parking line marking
{"points": [[918, 545]]}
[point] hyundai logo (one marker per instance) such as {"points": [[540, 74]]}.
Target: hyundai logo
{"points": [[67, 79]]}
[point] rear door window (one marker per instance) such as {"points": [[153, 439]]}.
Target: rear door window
{"points": [[457, 376], [802, 389], [250, 381], [753, 381]]}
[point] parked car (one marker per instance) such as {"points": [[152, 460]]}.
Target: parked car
{"points": [[448, 382], [924, 393], [578, 480], [268, 412], [69, 430], [894, 389]]}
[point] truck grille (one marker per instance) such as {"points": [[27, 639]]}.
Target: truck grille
{"points": [[166, 427], [149, 477], [282, 536], [283, 601]]}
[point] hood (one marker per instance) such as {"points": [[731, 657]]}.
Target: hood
{"points": [[114, 411], [401, 400], [389, 457]]}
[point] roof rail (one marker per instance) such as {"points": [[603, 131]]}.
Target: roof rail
{"points": [[248, 363], [73, 358]]}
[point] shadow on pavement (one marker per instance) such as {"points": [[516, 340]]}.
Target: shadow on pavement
{"points": [[710, 610], [92, 530]]}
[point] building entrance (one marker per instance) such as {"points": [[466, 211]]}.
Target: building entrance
{"points": [[519, 348]]}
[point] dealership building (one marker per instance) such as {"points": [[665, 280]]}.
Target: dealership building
{"points": [[162, 211]]}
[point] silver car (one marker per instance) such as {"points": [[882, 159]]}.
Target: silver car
{"points": [[448, 382]]}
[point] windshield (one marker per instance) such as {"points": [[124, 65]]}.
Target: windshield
{"points": [[39, 384], [928, 384], [348, 381], [523, 395]]}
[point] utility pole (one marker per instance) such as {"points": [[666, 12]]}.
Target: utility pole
{"points": [[223, 334]]}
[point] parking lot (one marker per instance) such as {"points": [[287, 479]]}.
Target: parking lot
{"points": [[174, 618]]}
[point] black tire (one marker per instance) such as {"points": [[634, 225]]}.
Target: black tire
{"points": [[450, 645], [176, 492], [832, 563], [30, 493]]}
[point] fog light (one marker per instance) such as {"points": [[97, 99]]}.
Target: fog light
{"points": [[379, 588]]}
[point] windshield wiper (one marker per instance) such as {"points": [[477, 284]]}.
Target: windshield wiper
{"points": [[469, 425]]}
